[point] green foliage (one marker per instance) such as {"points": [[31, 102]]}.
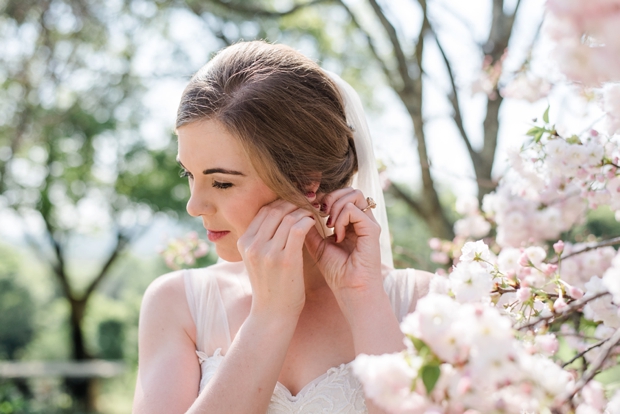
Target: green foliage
{"points": [[430, 376], [17, 308], [17, 311], [111, 339], [600, 224]]}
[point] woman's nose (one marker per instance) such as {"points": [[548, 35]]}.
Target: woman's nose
{"points": [[199, 205]]}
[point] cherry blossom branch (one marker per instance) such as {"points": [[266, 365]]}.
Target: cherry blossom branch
{"points": [[571, 307], [579, 355], [593, 369], [593, 246]]}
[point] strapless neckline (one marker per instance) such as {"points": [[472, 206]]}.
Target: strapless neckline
{"points": [[335, 391]]}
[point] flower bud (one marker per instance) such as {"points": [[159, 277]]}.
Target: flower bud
{"points": [[434, 243], [558, 247], [524, 294], [548, 269], [560, 305], [575, 292]]}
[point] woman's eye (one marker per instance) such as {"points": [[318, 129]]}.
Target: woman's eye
{"points": [[221, 186], [184, 173]]}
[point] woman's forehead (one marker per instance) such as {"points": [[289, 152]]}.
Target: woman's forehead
{"points": [[208, 142]]}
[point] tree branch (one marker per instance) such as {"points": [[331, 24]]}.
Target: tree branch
{"points": [[419, 47], [571, 307], [582, 353], [59, 266], [245, 8], [400, 193], [401, 59], [593, 369], [454, 99], [592, 246], [121, 243], [371, 45]]}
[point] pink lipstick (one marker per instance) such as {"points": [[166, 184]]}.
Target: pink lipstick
{"points": [[216, 235]]}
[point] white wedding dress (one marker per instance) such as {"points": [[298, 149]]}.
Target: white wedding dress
{"points": [[337, 391]]}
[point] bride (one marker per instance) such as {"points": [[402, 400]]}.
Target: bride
{"points": [[282, 173]]}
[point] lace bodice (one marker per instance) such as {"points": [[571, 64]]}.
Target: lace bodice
{"points": [[336, 391]]}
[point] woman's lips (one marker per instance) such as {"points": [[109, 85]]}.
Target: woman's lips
{"points": [[214, 236]]}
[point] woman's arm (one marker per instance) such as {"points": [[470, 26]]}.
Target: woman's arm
{"points": [[244, 382], [169, 371], [168, 368], [246, 378]]}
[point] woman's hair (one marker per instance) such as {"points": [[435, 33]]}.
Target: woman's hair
{"points": [[286, 112]]}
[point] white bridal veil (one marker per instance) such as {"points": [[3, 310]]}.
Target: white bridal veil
{"points": [[367, 177]]}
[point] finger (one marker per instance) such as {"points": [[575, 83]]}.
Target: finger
{"points": [[355, 197], [315, 241], [265, 226], [297, 234], [260, 217], [280, 237], [329, 199], [363, 225]]}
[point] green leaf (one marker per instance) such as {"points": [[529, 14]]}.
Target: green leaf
{"points": [[539, 135], [418, 344], [533, 131], [546, 115], [430, 376]]}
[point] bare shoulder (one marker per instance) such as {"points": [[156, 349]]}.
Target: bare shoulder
{"points": [[168, 369], [165, 301]]}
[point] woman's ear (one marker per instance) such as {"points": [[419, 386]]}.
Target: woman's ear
{"points": [[310, 190]]}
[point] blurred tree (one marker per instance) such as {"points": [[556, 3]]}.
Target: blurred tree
{"points": [[17, 318], [111, 339], [16, 307], [336, 27], [73, 159]]}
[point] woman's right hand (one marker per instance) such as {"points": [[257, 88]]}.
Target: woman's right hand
{"points": [[272, 250]]}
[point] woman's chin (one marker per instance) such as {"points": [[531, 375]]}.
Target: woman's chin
{"points": [[228, 254]]}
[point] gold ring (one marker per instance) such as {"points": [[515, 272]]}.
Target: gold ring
{"points": [[371, 203]]}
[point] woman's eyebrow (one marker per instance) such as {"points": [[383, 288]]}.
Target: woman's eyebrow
{"points": [[222, 171], [215, 170]]}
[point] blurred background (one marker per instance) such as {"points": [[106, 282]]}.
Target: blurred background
{"points": [[90, 195]]}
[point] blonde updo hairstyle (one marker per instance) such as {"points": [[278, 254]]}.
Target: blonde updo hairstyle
{"points": [[286, 112]]}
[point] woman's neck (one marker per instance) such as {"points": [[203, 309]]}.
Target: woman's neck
{"points": [[313, 278]]}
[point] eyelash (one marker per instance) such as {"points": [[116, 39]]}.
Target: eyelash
{"points": [[216, 184], [221, 186], [184, 173]]}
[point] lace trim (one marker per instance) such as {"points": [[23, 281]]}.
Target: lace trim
{"points": [[336, 391]]}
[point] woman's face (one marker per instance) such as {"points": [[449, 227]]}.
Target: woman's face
{"points": [[226, 191]]}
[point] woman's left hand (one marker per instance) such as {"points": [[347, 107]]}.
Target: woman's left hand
{"points": [[350, 259]]}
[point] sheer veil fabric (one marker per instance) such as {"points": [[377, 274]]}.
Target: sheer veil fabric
{"points": [[367, 178]]}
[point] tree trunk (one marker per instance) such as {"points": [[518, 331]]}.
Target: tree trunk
{"points": [[82, 390]]}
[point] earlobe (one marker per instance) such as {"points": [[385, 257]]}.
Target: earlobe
{"points": [[311, 189]]}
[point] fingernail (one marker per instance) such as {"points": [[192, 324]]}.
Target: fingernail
{"points": [[310, 194], [323, 207], [329, 221], [315, 205]]}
